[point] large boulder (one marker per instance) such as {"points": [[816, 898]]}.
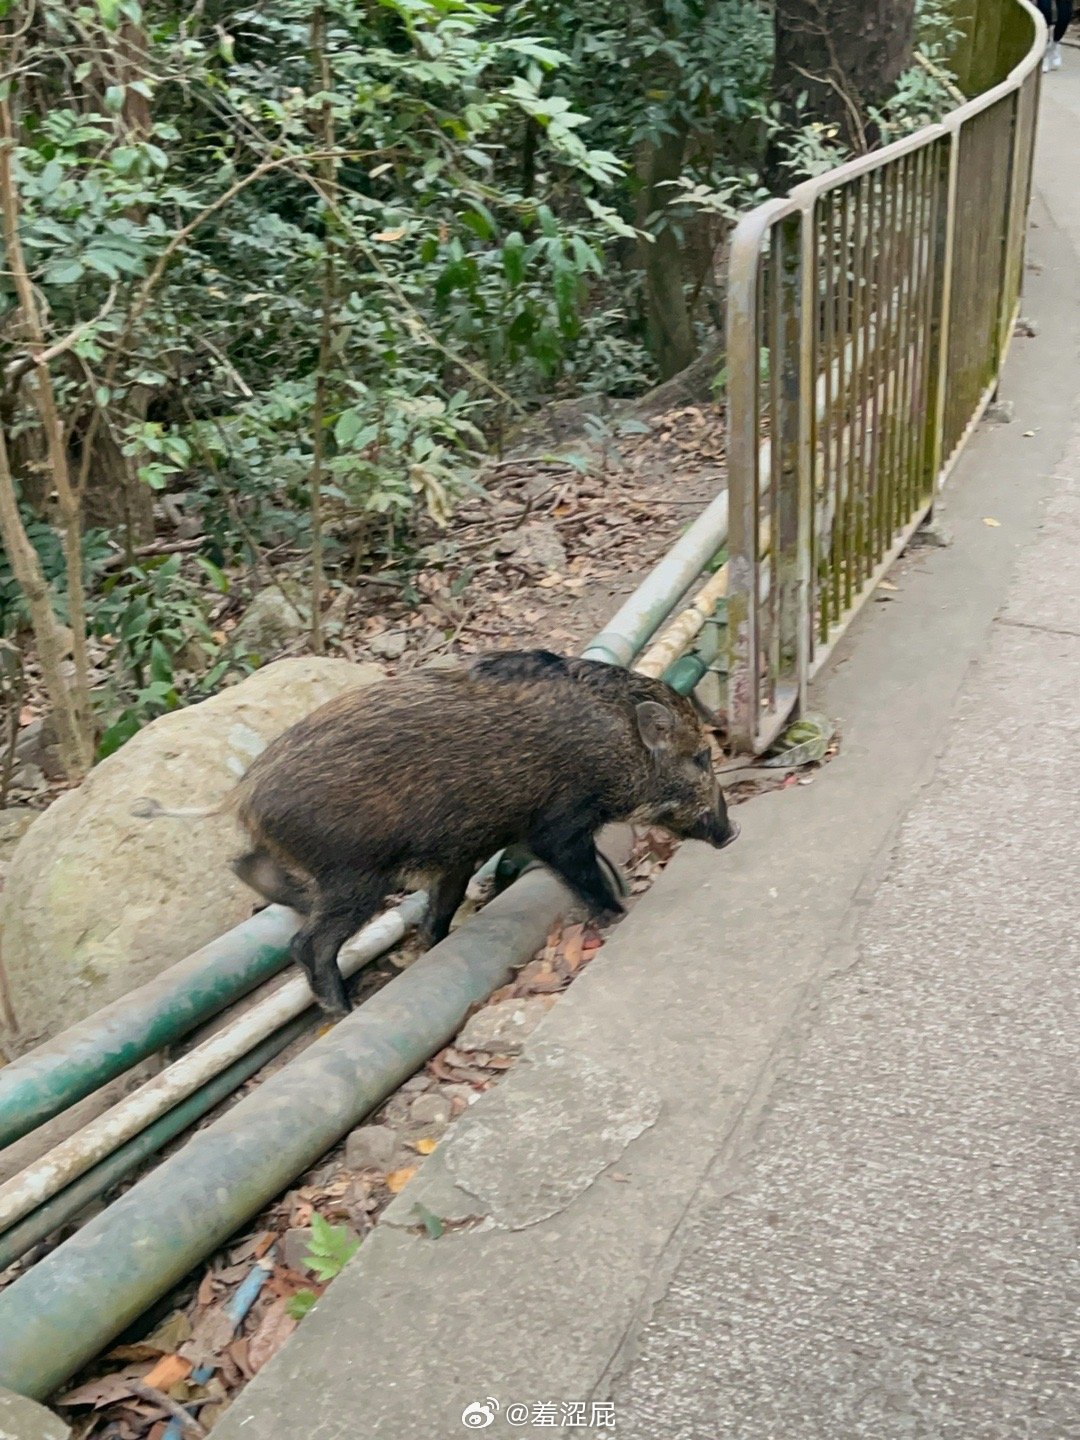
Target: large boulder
{"points": [[96, 901]]}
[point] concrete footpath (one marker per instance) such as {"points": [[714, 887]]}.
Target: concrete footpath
{"points": [[796, 1156]]}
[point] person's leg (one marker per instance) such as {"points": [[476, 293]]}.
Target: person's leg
{"points": [[1064, 18], [1052, 57]]}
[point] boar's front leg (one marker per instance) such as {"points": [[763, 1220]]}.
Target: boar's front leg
{"points": [[340, 909], [446, 895], [569, 850]]}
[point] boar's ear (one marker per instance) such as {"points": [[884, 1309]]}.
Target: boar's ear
{"points": [[656, 724]]}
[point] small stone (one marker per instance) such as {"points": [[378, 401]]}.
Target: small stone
{"points": [[932, 533], [1000, 412], [502, 1029], [390, 645], [31, 738], [270, 622], [28, 778], [460, 1096], [431, 1111], [417, 1084], [295, 1244], [371, 1147], [1025, 327], [539, 544]]}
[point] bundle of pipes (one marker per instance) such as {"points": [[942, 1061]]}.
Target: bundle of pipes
{"points": [[66, 1309]]}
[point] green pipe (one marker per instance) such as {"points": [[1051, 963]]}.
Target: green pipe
{"points": [[46, 1081], [68, 1307], [639, 618], [685, 674], [117, 1166]]}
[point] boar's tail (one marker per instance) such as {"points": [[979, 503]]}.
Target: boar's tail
{"points": [[146, 808]]}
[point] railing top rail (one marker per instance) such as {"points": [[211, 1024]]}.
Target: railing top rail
{"points": [[752, 228]]}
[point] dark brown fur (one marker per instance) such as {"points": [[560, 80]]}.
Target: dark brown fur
{"points": [[428, 775]]}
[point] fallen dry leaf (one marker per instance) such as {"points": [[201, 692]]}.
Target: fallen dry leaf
{"points": [[171, 1333], [398, 1179], [274, 1329], [211, 1333], [168, 1371], [104, 1391], [574, 947], [989, 520], [425, 1146]]}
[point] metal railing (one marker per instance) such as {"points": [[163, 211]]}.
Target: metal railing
{"points": [[869, 313]]}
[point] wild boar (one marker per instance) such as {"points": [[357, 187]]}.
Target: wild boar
{"points": [[422, 778]]}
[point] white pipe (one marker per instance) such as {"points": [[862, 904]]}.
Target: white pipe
{"points": [[25, 1191]]}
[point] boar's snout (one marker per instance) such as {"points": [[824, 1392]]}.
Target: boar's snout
{"points": [[715, 829]]}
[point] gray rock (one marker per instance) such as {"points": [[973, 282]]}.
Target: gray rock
{"points": [[934, 533], [539, 545], [271, 621], [295, 1244], [31, 738], [460, 1096], [390, 645], [14, 824], [28, 778], [1000, 412], [97, 901], [371, 1147], [431, 1111], [502, 1029], [417, 1084], [22, 1419]]}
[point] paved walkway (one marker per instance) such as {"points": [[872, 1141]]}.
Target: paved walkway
{"points": [[795, 1159], [899, 1255]]}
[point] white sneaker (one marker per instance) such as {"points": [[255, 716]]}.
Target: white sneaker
{"points": [[1046, 57], [1055, 55]]}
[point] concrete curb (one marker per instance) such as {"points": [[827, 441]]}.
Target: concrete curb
{"points": [[22, 1419]]}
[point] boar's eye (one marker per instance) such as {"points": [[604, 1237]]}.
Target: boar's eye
{"points": [[703, 760]]}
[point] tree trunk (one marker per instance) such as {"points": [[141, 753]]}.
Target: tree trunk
{"points": [[843, 56], [671, 332]]}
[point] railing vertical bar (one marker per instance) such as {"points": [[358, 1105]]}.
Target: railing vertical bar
{"points": [[809, 357]]}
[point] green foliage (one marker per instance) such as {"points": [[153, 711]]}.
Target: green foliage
{"points": [[360, 249], [161, 646], [331, 1249]]}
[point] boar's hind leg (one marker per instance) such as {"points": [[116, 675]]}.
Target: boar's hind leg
{"points": [[447, 893], [572, 855], [337, 914]]}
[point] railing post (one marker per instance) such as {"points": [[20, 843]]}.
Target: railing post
{"points": [[939, 362], [744, 443], [807, 559]]}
